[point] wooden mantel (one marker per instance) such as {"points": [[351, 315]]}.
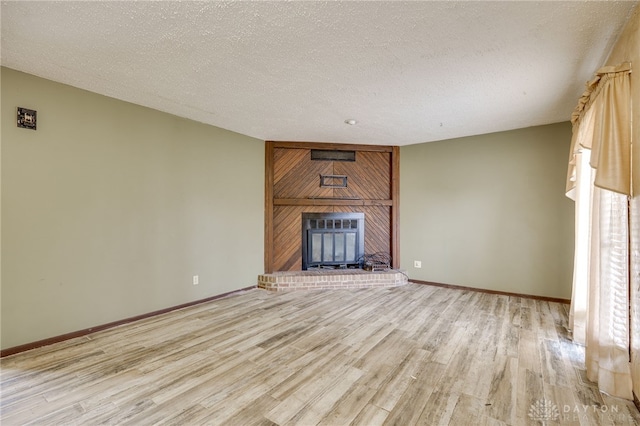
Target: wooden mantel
{"points": [[292, 187]]}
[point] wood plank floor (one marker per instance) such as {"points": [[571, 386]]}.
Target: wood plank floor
{"points": [[408, 355]]}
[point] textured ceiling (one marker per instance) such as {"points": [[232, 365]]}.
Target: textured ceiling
{"points": [[409, 72]]}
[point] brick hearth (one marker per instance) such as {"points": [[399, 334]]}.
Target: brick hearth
{"points": [[320, 279]]}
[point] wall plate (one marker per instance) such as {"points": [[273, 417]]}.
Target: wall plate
{"points": [[27, 118]]}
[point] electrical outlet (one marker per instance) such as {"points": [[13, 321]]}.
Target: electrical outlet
{"points": [[417, 264], [196, 280]]}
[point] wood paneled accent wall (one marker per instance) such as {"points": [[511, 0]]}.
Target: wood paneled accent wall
{"points": [[292, 187]]}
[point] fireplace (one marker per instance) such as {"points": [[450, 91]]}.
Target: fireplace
{"points": [[334, 240]]}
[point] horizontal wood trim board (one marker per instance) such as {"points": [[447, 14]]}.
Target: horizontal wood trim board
{"points": [[329, 202], [56, 339], [336, 146], [503, 293]]}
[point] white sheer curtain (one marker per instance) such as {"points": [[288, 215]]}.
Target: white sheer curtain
{"points": [[599, 181]]}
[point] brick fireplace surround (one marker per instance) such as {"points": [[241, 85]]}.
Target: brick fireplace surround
{"points": [[323, 279]]}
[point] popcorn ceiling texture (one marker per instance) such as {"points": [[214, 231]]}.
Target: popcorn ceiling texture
{"points": [[409, 72]]}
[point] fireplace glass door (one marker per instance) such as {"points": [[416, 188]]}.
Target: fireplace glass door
{"points": [[332, 239]]}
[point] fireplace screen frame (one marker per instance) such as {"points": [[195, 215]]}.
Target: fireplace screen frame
{"points": [[329, 226]]}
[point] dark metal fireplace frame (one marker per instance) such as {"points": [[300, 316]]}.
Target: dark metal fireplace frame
{"points": [[330, 225]]}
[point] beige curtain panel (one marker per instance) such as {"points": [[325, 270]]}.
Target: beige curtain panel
{"points": [[599, 181], [601, 123]]}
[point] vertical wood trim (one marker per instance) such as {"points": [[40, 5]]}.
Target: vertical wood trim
{"points": [[268, 208], [395, 204]]}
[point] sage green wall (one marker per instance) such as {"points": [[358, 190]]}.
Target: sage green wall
{"points": [[110, 208], [489, 211]]}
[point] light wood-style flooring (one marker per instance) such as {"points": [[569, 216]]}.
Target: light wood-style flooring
{"points": [[408, 355]]}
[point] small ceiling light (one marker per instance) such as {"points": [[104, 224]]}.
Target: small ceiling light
{"points": [[350, 121]]}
